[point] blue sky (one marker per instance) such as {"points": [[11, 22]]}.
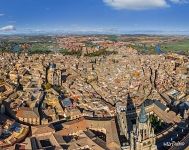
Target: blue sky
{"points": [[100, 16]]}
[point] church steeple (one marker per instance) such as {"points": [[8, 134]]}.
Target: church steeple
{"points": [[130, 105], [142, 115], [142, 136], [129, 97]]}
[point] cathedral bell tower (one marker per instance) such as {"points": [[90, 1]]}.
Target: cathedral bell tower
{"points": [[143, 133]]}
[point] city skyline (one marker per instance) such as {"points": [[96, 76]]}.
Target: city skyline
{"points": [[94, 16]]}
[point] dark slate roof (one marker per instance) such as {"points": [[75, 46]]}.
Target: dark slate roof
{"points": [[59, 139], [67, 139], [184, 105], [160, 105], [66, 102], [90, 134], [34, 143], [149, 102]]}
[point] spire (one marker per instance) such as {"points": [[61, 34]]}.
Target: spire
{"points": [[143, 116], [130, 106], [129, 97]]}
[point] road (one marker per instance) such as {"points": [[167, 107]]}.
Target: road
{"points": [[177, 135]]}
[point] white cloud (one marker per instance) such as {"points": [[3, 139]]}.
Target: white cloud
{"points": [[142, 4], [179, 1], [136, 4], [8, 28], [1, 15]]}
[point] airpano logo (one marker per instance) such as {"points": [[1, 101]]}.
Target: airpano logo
{"points": [[173, 143]]}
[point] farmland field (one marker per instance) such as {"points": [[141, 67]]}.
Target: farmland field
{"points": [[176, 46]]}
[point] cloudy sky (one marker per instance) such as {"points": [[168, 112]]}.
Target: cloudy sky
{"points": [[98, 16]]}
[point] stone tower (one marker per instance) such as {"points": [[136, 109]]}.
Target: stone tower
{"points": [[143, 137], [54, 76], [50, 73], [187, 81]]}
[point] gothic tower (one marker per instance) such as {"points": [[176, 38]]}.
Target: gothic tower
{"points": [[143, 133], [50, 73], [187, 81], [54, 76]]}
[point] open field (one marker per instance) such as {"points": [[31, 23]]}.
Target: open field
{"points": [[176, 46], [144, 44]]}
